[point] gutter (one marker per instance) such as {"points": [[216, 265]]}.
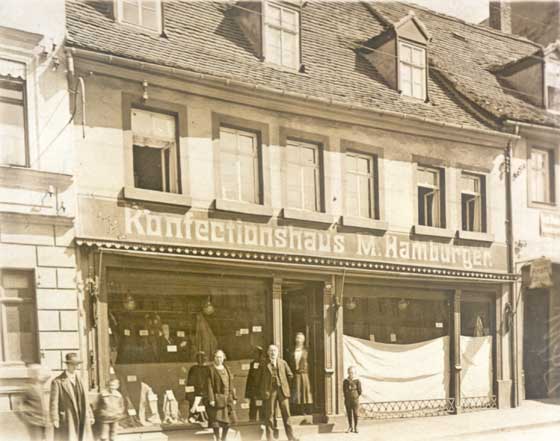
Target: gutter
{"points": [[217, 80], [517, 125]]}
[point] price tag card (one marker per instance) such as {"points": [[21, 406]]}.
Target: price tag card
{"points": [[439, 325], [131, 378], [393, 337], [256, 365], [258, 403], [244, 331], [371, 337], [180, 333], [131, 412], [110, 332], [237, 333], [182, 381], [143, 333], [245, 366], [244, 405], [257, 328], [111, 370], [171, 348], [127, 332], [201, 409], [189, 388]]}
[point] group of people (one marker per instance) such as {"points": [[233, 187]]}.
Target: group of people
{"points": [[72, 416]]}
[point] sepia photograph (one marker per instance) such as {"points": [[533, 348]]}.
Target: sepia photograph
{"points": [[293, 220]]}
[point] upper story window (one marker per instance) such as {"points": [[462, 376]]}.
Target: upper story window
{"points": [[13, 141], [143, 13], [542, 175], [412, 70], [431, 200], [18, 324], [281, 35], [155, 152], [239, 166], [553, 85], [360, 188], [472, 203], [303, 176]]}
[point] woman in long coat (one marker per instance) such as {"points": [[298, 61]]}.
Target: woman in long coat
{"points": [[299, 360], [221, 397]]}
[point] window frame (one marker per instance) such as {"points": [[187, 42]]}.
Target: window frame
{"points": [[182, 197], [317, 174], [440, 187], [264, 27], [552, 178], [412, 45], [24, 103], [31, 274], [373, 184], [482, 195], [548, 84], [119, 13]]}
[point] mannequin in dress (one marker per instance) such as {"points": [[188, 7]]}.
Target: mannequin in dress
{"points": [[302, 397]]}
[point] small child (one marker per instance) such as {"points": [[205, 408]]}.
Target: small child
{"points": [[111, 410], [352, 389]]}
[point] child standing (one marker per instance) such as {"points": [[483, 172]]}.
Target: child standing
{"points": [[352, 389], [111, 410]]}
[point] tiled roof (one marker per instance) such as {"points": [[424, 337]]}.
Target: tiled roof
{"points": [[202, 36]]}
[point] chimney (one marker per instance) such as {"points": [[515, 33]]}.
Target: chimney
{"points": [[500, 15]]}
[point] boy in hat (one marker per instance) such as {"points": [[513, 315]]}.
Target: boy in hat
{"points": [[69, 406], [111, 410]]}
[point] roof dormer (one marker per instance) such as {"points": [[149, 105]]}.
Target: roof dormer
{"points": [[400, 55], [552, 77]]}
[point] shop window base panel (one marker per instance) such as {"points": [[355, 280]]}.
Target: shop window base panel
{"points": [[407, 409], [473, 404]]}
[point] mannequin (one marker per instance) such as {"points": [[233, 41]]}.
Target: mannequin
{"points": [[299, 359]]}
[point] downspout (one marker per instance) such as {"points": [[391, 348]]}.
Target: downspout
{"points": [[511, 267]]}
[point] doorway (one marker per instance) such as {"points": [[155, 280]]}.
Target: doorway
{"points": [[302, 311], [535, 343]]}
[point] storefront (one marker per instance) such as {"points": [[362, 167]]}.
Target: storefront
{"points": [[163, 287]]}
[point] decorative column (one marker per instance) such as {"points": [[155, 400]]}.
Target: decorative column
{"points": [[339, 334], [277, 312], [503, 353], [456, 350], [329, 326]]}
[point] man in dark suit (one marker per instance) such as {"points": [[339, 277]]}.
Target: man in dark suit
{"points": [[69, 407], [275, 390]]}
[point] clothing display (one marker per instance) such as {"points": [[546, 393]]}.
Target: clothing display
{"points": [[252, 391], [170, 408], [205, 340]]}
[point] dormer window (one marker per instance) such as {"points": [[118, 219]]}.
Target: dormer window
{"points": [[281, 39], [412, 70], [142, 13], [553, 85]]}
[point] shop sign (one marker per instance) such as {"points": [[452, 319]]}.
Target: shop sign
{"points": [[132, 224], [550, 225], [540, 274]]}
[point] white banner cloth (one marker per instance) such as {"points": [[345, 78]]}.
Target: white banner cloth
{"points": [[397, 372], [476, 362]]}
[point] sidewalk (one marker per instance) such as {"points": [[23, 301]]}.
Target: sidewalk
{"points": [[529, 414]]}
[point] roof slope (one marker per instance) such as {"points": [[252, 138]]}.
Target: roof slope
{"points": [[202, 36]]}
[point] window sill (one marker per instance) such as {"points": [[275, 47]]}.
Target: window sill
{"points": [[475, 236], [542, 205], [308, 216], [243, 208], [159, 197], [423, 230], [365, 223]]}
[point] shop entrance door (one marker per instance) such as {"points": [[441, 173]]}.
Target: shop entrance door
{"points": [[535, 344], [302, 312]]}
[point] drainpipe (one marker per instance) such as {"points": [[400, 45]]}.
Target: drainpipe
{"points": [[511, 267]]}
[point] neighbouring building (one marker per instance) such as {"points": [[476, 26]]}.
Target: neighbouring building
{"points": [[39, 318]]}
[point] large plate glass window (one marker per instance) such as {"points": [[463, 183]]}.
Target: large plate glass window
{"points": [[303, 176], [239, 165], [412, 70], [154, 151], [282, 35], [18, 342]]}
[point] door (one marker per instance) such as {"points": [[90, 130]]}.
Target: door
{"points": [[535, 343], [302, 312]]}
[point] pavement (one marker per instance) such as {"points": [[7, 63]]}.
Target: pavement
{"points": [[527, 422]]}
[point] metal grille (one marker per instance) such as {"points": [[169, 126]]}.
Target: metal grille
{"points": [[407, 409], [469, 404]]}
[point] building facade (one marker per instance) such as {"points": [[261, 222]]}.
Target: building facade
{"points": [[39, 299]]}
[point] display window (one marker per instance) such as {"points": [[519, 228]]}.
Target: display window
{"points": [[164, 328]]}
